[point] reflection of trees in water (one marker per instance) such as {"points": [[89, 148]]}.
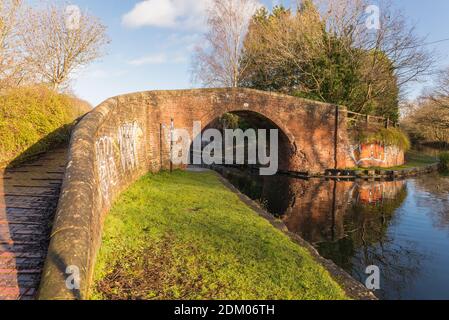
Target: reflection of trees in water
{"points": [[436, 188], [399, 264], [347, 221], [373, 245], [272, 192], [367, 222], [317, 209], [367, 242], [320, 208]]}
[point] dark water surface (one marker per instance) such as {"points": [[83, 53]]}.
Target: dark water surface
{"points": [[400, 226]]}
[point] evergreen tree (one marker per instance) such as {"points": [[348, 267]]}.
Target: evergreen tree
{"points": [[296, 55]]}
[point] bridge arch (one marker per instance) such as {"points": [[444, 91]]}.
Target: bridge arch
{"points": [[123, 139], [256, 120], [311, 127], [254, 116]]}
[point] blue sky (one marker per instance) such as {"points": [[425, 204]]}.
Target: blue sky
{"points": [[151, 44]]}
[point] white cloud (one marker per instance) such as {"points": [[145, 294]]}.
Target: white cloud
{"points": [[159, 58], [98, 74], [186, 41], [180, 57], [186, 17], [188, 14]]}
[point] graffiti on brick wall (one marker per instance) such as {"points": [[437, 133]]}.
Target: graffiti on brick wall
{"points": [[373, 153], [127, 149], [107, 169], [128, 135]]}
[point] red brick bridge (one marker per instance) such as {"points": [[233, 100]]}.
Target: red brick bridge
{"points": [[114, 145]]}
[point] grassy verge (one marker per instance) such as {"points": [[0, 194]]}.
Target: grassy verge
{"points": [[185, 236], [33, 120], [415, 159]]}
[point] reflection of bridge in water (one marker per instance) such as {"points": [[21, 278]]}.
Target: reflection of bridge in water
{"points": [[347, 221], [320, 212], [316, 208]]}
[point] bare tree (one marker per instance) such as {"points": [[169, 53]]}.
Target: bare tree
{"points": [[12, 66], [386, 55], [442, 87], [58, 40], [285, 41], [218, 61], [428, 121], [392, 36]]}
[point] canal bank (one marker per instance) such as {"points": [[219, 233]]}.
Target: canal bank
{"points": [[186, 236], [400, 226], [354, 289]]}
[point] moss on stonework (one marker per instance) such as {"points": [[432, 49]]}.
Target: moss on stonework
{"points": [[186, 236], [394, 137]]}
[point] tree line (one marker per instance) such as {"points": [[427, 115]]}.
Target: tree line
{"points": [[46, 43], [427, 119], [321, 50]]}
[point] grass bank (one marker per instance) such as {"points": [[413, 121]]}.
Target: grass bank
{"points": [[33, 120], [186, 236], [416, 159]]}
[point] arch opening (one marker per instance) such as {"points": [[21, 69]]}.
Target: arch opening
{"points": [[251, 124]]}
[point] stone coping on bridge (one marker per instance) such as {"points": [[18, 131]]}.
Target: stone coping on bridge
{"points": [[127, 136]]}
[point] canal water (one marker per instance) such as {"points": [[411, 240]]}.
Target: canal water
{"points": [[400, 226]]}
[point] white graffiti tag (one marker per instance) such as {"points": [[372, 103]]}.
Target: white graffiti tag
{"points": [[107, 169], [376, 153], [128, 138]]}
